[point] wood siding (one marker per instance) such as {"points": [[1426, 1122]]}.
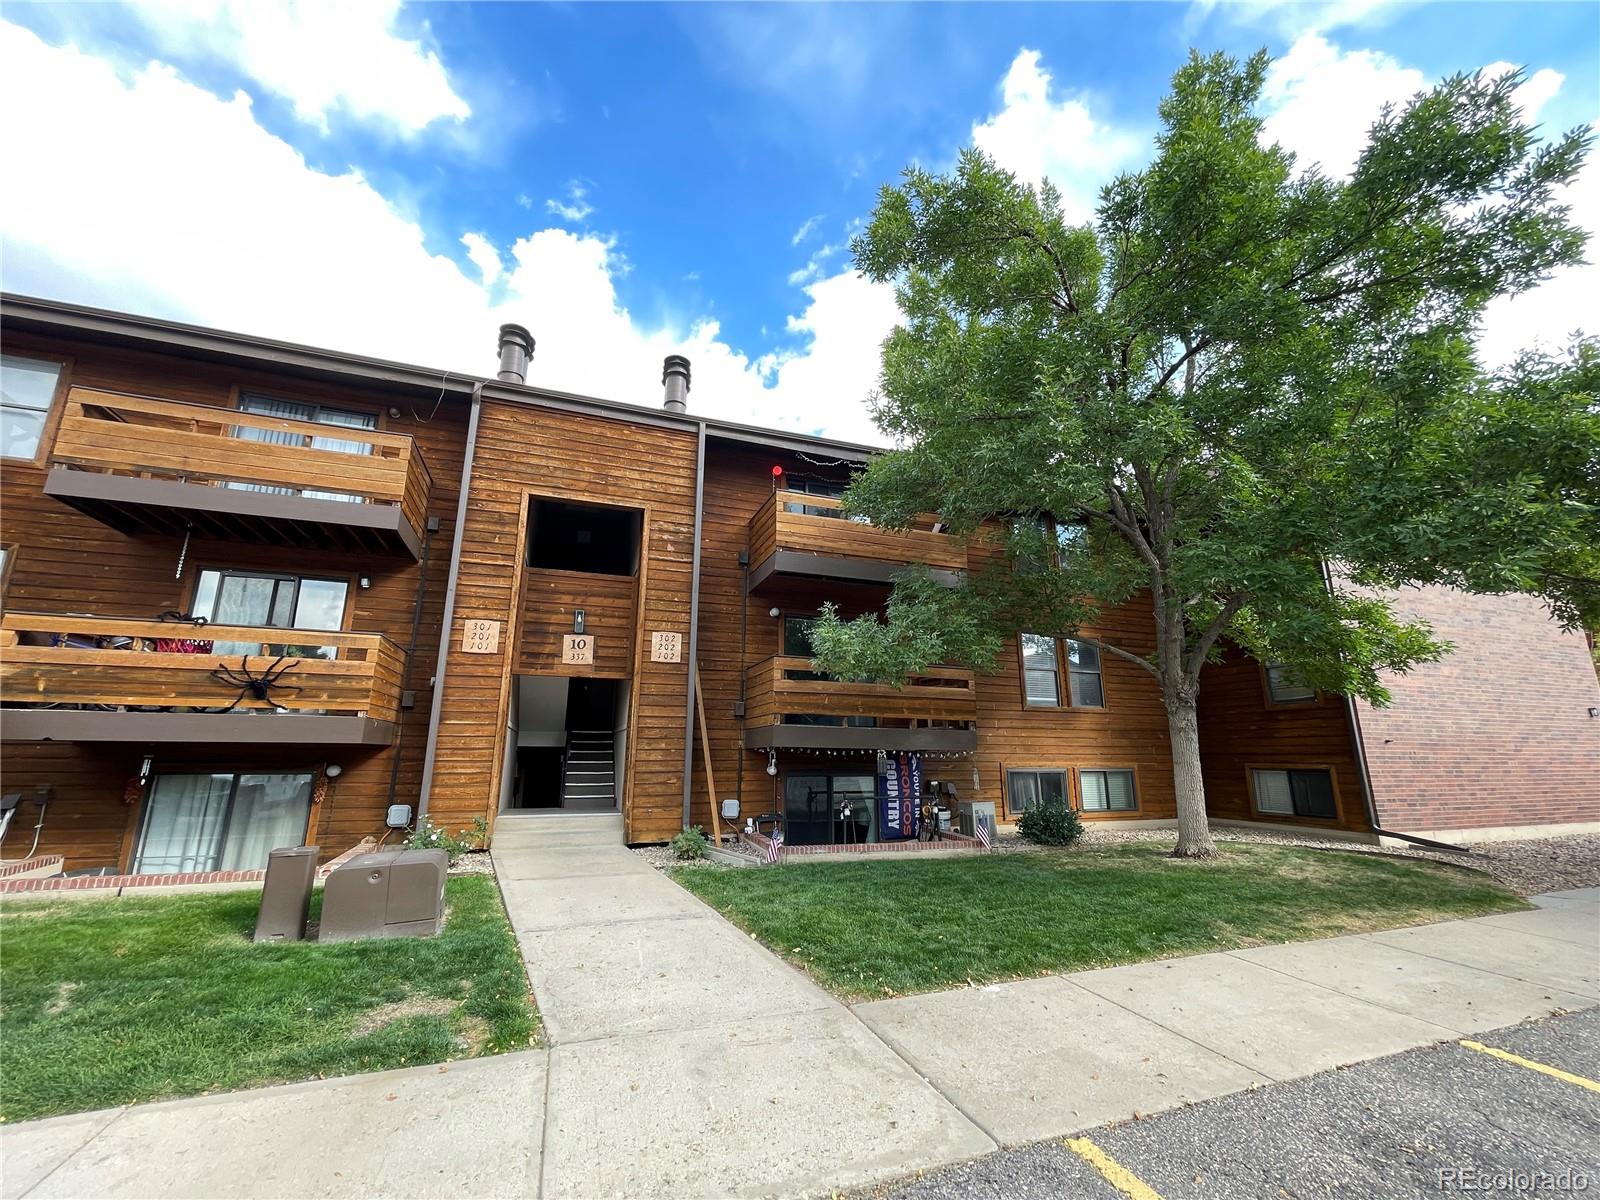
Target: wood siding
{"points": [[1240, 730], [937, 694], [549, 599], [66, 562], [524, 451]]}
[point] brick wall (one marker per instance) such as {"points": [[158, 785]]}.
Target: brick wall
{"points": [[1498, 733]]}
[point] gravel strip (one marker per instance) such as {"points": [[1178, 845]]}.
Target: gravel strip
{"points": [[1526, 867], [661, 857], [474, 862]]}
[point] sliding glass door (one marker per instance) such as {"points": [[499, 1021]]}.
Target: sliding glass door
{"points": [[221, 822]]}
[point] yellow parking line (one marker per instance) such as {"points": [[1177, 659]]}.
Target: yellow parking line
{"points": [[1542, 1068], [1117, 1175]]}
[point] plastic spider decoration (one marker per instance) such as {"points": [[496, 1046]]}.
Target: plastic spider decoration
{"points": [[256, 685]]}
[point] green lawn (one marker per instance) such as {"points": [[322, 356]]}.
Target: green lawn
{"points": [[892, 927], [111, 1001]]}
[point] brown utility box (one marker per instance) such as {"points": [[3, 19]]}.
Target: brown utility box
{"points": [[286, 894], [395, 893]]}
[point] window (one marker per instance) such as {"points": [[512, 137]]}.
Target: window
{"points": [[1295, 793], [1041, 675], [1106, 791], [1029, 790], [1083, 671], [1284, 688], [274, 601], [1041, 672], [797, 636], [221, 822], [27, 389]]}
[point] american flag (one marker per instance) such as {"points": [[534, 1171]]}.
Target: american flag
{"points": [[774, 847], [983, 833]]}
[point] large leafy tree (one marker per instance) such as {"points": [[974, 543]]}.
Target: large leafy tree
{"points": [[1241, 373]]}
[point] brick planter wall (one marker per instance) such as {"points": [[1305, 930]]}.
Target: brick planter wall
{"points": [[1496, 735]]}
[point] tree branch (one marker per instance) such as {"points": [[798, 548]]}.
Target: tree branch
{"points": [[1119, 652], [1207, 639]]}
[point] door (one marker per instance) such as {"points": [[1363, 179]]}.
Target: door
{"points": [[807, 819], [221, 821]]}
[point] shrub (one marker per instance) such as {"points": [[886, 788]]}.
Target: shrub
{"points": [[1053, 825], [690, 844], [429, 836]]}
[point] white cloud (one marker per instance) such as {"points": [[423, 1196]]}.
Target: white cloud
{"points": [[484, 256], [317, 54], [806, 228], [1563, 305], [1323, 100], [1293, 18], [575, 207], [329, 261], [1036, 135], [816, 266]]}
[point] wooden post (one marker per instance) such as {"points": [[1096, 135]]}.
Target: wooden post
{"points": [[705, 750]]}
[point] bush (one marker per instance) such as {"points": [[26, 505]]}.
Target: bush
{"points": [[690, 844], [429, 836], [1054, 825]]}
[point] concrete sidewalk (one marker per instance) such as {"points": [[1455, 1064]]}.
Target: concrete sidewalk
{"points": [[686, 1060]]}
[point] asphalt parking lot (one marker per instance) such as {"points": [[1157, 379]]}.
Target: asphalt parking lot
{"points": [[1445, 1120]]}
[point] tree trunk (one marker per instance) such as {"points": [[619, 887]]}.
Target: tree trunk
{"points": [[1183, 728]]}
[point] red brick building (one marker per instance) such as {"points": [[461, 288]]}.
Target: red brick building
{"points": [[1500, 738]]}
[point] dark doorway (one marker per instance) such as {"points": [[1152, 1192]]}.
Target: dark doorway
{"points": [[583, 537], [822, 808], [591, 704], [538, 777]]}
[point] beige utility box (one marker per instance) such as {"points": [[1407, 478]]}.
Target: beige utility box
{"points": [[395, 893], [286, 894]]}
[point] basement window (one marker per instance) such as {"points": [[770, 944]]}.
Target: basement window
{"points": [[592, 538], [1294, 793], [1030, 790], [1107, 791]]}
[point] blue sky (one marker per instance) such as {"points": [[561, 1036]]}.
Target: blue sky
{"points": [[632, 180]]}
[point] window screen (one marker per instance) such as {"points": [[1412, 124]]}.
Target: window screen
{"points": [[1083, 671], [1028, 790], [1040, 673], [1107, 791], [1294, 793]]}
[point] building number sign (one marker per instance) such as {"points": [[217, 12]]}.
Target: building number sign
{"points": [[480, 637], [577, 650], [666, 647]]}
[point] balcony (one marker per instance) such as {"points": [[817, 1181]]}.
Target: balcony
{"points": [[142, 465], [794, 533], [106, 679], [782, 688]]}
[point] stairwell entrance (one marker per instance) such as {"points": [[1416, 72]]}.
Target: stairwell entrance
{"points": [[566, 740]]}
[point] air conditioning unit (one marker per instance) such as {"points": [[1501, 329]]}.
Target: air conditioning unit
{"points": [[973, 813]]}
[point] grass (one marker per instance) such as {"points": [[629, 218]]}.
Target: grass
{"points": [[887, 928], [111, 1001]]}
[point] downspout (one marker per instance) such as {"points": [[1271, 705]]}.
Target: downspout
{"points": [[1359, 744], [744, 637], [430, 526], [448, 618], [694, 627]]}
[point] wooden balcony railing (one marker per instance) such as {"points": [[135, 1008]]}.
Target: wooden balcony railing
{"points": [[112, 663], [138, 436], [784, 523], [785, 685]]}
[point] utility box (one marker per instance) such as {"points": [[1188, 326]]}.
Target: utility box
{"points": [[394, 893], [286, 894], [974, 813]]}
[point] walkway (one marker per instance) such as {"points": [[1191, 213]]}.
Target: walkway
{"points": [[687, 1061]]}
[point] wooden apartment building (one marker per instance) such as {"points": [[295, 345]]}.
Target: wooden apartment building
{"points": [[474, 596]]}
